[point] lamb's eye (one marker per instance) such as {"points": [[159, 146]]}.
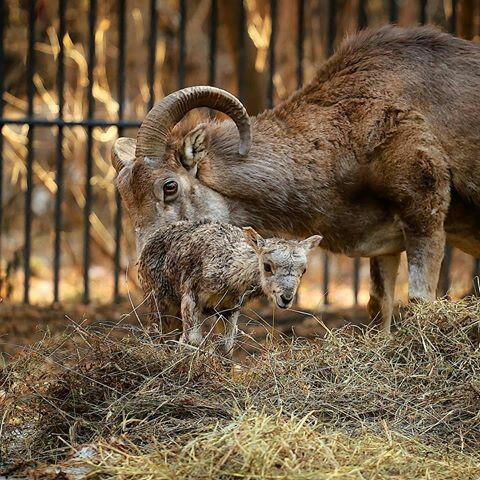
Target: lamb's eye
{"points": [[304, 270], [170, 188], [267, 267]]}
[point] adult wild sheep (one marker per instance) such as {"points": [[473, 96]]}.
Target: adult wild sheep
{"points": [[380, 153], [189, 268]]}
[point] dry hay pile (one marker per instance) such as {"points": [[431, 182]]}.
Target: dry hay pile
{"points": [[347, 406]]}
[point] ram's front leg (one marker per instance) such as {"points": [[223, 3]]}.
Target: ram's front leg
{"points": [[383, 275], [191, 318]]}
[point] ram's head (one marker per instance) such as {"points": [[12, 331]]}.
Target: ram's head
{"points": [[157, 173]]}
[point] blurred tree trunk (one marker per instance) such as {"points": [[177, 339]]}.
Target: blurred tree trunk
{"points": [[255, 90], [436, 13], [348, 22], [286, 56], [409, 14], [467, 16]]}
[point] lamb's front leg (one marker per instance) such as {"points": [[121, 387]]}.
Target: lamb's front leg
{"points": [[231, 329], [191, 317], [164, 315]]}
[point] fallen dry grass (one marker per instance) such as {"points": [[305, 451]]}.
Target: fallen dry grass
{"points": [[346, 406]]}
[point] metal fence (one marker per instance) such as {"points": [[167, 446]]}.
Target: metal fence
{"points": [[90, 123]]}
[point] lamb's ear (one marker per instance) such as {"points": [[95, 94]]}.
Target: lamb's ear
{"points": [[195, 145], [123, 152], [311, 242], [255, 240]]}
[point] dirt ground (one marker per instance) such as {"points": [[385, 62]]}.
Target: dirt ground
{"points": [[23, 325]]}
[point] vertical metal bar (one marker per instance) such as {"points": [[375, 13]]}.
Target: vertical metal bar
{"points": [[271, 52], [331, 33], [332, 27], [121, 108], [300, 41], [362, 23], [152, 52], [28, 194], [453, 18], [326, 277], [476, 277], [92, 20], [241, 52], [182, 44], [212, 53], [422, 15], [444, 279], [362, 19], [2, 88], [393, 11], [356, 279], [59, 153]]}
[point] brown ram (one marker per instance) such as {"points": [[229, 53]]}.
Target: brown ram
{"points": [[379, 153]]}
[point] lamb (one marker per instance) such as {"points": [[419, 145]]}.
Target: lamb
{"points": [[191, 268]]}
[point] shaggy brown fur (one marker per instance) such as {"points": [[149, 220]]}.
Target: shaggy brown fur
{"points": [[379, 153]]}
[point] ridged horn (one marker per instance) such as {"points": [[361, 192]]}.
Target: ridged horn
{"points": [[154, 132]]}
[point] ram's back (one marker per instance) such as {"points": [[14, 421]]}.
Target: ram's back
{"points": [[420, 69]]}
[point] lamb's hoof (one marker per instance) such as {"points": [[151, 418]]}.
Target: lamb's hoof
{"points": [[195, 337], [192, 339]]}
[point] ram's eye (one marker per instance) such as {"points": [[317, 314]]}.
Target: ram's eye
{"points": [[267, 267], [170, 188], [304, 270]]}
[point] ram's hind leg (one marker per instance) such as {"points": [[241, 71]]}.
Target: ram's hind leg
{"points": [[424, 255], [418, 188], [383, 275]]}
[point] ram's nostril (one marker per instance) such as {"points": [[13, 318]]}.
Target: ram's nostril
{"points": [[286, 299]]}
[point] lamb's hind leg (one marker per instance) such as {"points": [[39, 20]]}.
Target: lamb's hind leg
{"points": [[383, 274], [191, 317], [231, 329], [424, 255]]}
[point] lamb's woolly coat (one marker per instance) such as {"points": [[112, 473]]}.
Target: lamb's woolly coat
{"points": [[209, 261]]}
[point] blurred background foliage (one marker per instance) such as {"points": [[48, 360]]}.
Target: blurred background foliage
{"points": [[466, 22]]}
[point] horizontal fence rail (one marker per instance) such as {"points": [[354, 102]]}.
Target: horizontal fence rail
{"points": [[90, 123]]}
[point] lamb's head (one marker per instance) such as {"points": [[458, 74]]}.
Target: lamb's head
{"points": [[282, 264], [157, 172]]}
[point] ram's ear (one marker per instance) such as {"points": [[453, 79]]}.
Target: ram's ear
{"points": [[123, 152], [311, 242], [255, 240], [195, 145]]}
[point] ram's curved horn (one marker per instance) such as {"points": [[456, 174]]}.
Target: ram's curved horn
{"points": [[154, 132]]}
